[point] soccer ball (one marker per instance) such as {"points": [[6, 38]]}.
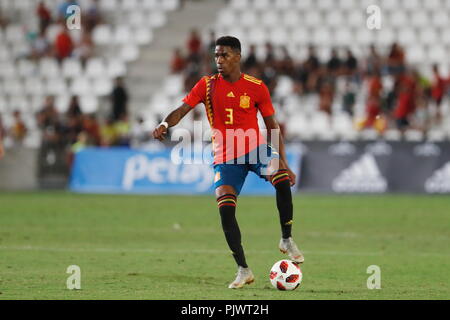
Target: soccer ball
{"points": [[285, 275]]}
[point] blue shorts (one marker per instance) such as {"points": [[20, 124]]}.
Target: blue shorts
{"points": [[234, 172]]}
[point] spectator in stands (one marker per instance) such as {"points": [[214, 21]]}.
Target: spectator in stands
{"points": [[349, 98], [18, 129], [92, 128], [438, 89], [92, 16], [405, 102], [40, 47], [74, 109], [396, 59], [85, 48], [44, 16], [48, 121], [63, 45], [350, 64], [119, 99], [108, 133], [373, 61], [178, 63], [311, 70], [80, 143], [326, 96], [286, 63], [3, 20], [374, 117], [251, 61], [194, 46], [122, 130], [334, 63]]}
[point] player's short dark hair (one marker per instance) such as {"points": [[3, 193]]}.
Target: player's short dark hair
{"points": [[229, 41]]}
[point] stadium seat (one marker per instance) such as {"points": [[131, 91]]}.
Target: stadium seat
{"points": [[102, 86], [240, 4], [13, 86], [257, 35], [143, 36], [420, 19], [55, 86], [14, 33], [49, 68], [89, 104], [81, 86], [283, 4], [407, 36], [129, 5], [278, 36], [71, 68], [413, 135], [102, 34], [440, 19], [115, 68], [26, 68], [170, 5], [34, 86], [248, 19], [291, 18], [157, 19], [62, 103], [109, 5], [19, 102], [270, 19], [95, 67], [129, 52], [427, 36], [262, 5], [123, 35], [347, 5]]}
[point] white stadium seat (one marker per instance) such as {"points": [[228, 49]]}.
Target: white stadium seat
{"points": [[34, 86], [71, 68], [49, 68], [95, 67], [102, 34]]}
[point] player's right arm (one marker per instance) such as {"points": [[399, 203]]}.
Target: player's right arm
{"points": [[172, 120], [197, 95]]}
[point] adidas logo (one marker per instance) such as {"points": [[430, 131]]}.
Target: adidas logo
{"points": [[230, 94], [439, 182], [363, 175]]}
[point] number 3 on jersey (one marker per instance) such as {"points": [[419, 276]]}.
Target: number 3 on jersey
{"points": [[229, 116]]}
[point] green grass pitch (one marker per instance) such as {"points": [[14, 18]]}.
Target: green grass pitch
{"points": [[172, 247]]}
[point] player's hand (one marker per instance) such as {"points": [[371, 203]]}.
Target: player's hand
{"points": [[160, 132], [2, 151], [292, 176]]}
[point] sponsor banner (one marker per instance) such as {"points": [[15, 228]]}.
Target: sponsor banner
{"points": [[376, 167], [123, 170]]}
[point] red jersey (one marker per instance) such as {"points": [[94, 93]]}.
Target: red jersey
{"points": [[232, 113]]}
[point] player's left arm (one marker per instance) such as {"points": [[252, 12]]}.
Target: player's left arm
{"points": [[272, 126]]}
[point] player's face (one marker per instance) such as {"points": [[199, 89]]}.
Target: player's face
{"points": [[227, 60]]}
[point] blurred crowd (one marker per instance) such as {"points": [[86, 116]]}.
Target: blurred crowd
{"points": [[63, 45], [397, 96]]}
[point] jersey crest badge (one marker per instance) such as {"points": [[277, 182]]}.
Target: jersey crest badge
{"points": [[244, 102]]}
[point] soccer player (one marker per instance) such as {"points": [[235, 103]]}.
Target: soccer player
{"points": [[232, 100]]}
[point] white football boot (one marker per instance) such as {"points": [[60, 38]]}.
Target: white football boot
{"points": [[244, 276], [288, 246]]}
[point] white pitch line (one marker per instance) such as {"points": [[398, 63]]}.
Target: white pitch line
{"points": [[210, 251]]}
